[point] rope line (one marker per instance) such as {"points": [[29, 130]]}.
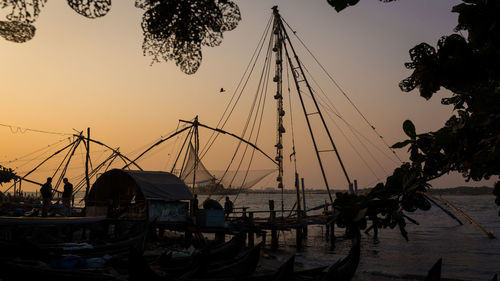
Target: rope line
{"points": [[16, 129], [254, 58], [344, 93], [262, 100]]}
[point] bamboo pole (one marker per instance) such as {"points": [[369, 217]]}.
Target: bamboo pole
{"points": [[444, 210], [461, 213]]}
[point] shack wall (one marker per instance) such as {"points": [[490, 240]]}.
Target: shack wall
{"points": [[162, 211]]}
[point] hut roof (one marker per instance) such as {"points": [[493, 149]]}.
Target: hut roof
{"points": [[161, 185], [149, 185]]}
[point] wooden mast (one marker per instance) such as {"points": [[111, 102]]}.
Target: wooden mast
{"points": [[278, 79]]}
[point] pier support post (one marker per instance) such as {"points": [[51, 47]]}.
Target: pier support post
{"points": [[304, 231], [332, 234], [251, 241], [298, 238], [274, 232], [327, 227]]}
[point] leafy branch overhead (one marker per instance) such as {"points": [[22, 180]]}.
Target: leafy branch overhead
{"points": [[469, 142], [176, 30], [173, 29], [340, 5]]}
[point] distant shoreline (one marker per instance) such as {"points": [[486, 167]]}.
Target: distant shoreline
{"points": [[460, 190]]}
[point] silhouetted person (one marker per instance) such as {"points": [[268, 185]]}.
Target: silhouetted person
{"points": [[46, 192], [194, 205], [228, 206], [66, 197]]}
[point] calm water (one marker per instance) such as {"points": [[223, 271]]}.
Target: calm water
{"points": [[467, 253]]}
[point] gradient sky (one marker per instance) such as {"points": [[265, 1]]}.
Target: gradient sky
{"points": [[78, 73]]}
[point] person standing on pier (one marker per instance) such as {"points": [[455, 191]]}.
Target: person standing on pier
{"points": [[228, 206], [66, 197], [46, 192]]}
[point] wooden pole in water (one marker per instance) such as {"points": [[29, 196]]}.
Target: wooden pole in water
{"points": [[251, 240], [327, 228], [298, 238], [298, 229], [297, 189], [304, 205], [272, 218], [87, 164], [332, 234]]}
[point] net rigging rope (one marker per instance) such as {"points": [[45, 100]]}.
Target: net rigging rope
{"points": [[330, 106], [262, 103], [258, 95], [249, 69], [82, 183], [34, 152], [68, 156], [17, 129], [180, 152], [343, 92], [294, 154], [173, 147]]}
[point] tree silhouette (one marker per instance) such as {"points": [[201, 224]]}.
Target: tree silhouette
{"points": [[469, 142], [173, 29], [6, 175], [176, 30], [340, 5]]}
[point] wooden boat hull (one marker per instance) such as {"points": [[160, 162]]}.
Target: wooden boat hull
{"points": [[34, 270], [41, 221], [345, 269]]}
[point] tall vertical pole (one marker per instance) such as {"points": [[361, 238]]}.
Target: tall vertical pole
{"points": [[299, 228], [303, 195], [87, 164], [278, 79], [304, 204], [196, 148], [297, 189]]}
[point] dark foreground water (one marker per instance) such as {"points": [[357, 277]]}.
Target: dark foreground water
{"points": [[466, 251]]}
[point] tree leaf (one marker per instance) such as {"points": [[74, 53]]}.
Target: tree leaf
{"points": [[409, 129], [401, 144]]}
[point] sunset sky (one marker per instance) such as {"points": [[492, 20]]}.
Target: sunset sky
{"points": [[78, 73]]}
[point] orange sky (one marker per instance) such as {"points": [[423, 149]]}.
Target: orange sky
{"points": [[78, 73]]}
